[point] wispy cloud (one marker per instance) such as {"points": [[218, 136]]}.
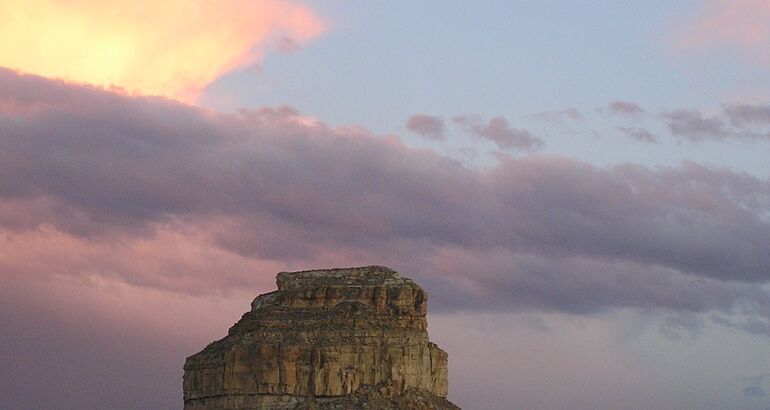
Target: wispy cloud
{"points": [[691, 124], [428, 126], [500, 132], [559, 117], [286, 44], [625, 108], [754, 391], [639, 134], [748, 114], [728, 25], [743, 121]]}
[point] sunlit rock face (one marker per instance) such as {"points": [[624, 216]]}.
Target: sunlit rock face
{"points": [[338, 339]]}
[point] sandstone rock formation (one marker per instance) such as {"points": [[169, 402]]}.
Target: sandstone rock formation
{"points": [[326, 339]]}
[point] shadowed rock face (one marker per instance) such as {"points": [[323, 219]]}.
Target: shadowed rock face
{"points": [[336, 339]]}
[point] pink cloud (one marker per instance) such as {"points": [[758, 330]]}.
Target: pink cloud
{"points": [[729, 25], [625, 108], [172, 48], [428, 126]]}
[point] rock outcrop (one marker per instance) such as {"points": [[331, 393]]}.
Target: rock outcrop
{"points": [[326, 339]]}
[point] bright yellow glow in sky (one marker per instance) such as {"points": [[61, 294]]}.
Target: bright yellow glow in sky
{"points": [[170, 47]]}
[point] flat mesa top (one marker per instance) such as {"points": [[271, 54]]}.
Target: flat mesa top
{"points": [[357, 276]]}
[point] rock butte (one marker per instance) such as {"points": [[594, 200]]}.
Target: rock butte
{"points": [[326, 339]]}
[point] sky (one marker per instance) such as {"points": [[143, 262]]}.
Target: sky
{"points": [[582, 188]]}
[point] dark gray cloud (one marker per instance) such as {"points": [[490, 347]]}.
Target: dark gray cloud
{"points": [[625, 108], [500, 132], [428, 126], [545, 233], [639, 134]]}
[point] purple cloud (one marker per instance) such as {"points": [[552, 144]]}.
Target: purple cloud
{"points": [[500, 132], [428, 126], [735, 121], [625, 108], [639, 134], [747, 114], [269, 188], [691, 124]]}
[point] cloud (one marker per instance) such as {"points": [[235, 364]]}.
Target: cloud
{"points": [[131, 221], [625, 108], [505, 280], [691, 124], [64, 342], [287, 44], [681, 326], [639, 134], [160, 195], [754, 391], [748, 114], [143, 46], [747, 321], [428, 126], [734, 121], [499, 131], [728, 25], [559, 117]]}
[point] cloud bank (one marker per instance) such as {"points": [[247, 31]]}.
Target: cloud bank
{"points": [[166, 196]]}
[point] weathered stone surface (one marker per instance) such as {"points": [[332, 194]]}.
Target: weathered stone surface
{"points": [[326, 339]]}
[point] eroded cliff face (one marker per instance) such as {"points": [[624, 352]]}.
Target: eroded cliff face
{"points": [[338, 338]]}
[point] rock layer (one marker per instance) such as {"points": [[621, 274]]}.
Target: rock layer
{"points": [[335, 338]]}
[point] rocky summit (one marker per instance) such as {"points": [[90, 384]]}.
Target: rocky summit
{"points": [[353, 338]]}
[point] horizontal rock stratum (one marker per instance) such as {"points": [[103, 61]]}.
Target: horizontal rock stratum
{"points": [[326, 339]]}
